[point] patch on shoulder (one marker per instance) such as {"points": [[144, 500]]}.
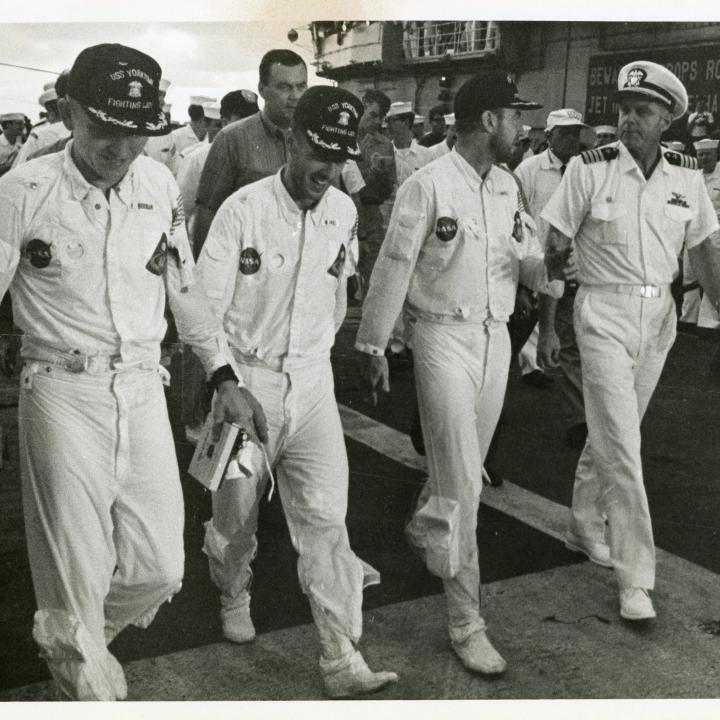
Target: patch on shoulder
{"points": [[681, 160], [603, 154]]}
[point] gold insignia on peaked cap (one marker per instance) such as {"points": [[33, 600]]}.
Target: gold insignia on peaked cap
{"points": [[656, 83]]}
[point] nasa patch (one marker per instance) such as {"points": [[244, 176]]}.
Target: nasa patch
{"points": [[446, 229], [517, 231], [249, 261], [39, 254], [158, 260], [336, 268]]}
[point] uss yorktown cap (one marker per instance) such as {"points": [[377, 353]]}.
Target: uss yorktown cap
{"points": [[328, 117], [118, 87], [488, 91], [567, 117], [653, 82]]}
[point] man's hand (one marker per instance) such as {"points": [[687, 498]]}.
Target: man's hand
{"points": [[374, 371], [524, 303], [238, 405], [548, 349], [570, 270]]}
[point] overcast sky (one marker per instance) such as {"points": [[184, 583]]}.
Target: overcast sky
{"points": [[201, 58], [210, 47]]}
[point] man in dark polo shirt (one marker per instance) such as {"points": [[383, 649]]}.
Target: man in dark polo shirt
{"points": [[253, 148]]}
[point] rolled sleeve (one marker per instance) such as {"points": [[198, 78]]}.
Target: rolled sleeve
{"points": [[569, 204], [410, 225]]}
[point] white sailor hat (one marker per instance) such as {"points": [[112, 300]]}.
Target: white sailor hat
{"points": [[419, 119], [449, 119], [677, 146], [401, 107], [566, 117], [12, 117], [211, 110], [163, 84], [201, 99], [47, 96], [49, 85], [654, 82], [605, 130], [706, 144]]}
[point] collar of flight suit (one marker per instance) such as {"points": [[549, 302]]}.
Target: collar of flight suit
{"points": [[288, 208], [470, 175], [80, 187]]}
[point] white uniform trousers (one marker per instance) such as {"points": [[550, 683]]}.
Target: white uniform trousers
{"points": [[103, 515], [623, 340], [307, 448], [461, 374], [570, 380]]}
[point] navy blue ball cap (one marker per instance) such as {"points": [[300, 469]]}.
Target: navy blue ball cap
{"points": [[488, 91], [118, 87], [329, 117]]}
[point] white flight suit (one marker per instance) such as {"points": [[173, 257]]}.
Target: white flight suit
{"points": [[277, 275], [456, 247], [628, 233], [697, 308], [88, 276]]}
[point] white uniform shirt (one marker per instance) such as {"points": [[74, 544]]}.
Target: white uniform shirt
{"points": [[456, 247], [626, 229], [89, 274], [540, 176], [410, 159], [181, 139], [158, 148], [277, 275], [6, 149], [39, 138], [190, 169]]}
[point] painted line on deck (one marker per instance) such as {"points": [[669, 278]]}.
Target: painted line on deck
{"points": [[674, 574]]}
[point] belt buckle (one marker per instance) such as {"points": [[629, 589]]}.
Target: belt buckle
{"points": [[649, 291]]}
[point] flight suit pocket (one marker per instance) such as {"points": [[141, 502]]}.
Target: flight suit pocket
{"points": [[610, 223]]}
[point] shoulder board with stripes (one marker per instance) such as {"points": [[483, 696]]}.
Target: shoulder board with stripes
{"points": [[681, 160], [603, 154]]}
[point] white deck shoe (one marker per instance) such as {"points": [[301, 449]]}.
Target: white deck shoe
{"points": [[635, 604], [597, 552], [355, 678], [237, 625], [478, 654]]}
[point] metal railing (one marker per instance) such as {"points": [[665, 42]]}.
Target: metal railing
{"points": [[443, 38]]}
